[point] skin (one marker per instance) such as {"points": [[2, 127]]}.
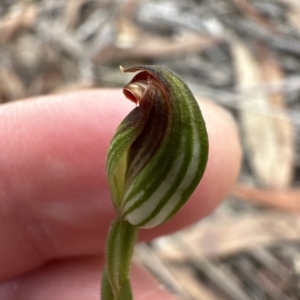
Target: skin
{"points": [[55, 207]]}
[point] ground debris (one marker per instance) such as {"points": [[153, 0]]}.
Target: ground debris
{"points": [[241, 54]]}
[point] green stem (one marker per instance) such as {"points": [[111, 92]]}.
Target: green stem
{"points": [[120, 243]]}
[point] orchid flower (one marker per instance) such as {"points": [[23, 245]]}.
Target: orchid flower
{"points": [[155, 161]]}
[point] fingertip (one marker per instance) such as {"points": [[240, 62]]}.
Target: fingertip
{"points": [[54, 191]]}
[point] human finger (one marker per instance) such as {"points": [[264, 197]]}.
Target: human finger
{"points": [[55, 200], [76, 279]]}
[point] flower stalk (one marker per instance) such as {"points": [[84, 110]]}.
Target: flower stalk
{"points": [[155, 161], [120, 243]]}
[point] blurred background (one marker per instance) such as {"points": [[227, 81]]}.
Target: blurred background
{"points": [[241, 54]]}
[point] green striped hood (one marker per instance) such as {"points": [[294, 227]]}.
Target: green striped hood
{"points": [[159, 152]]}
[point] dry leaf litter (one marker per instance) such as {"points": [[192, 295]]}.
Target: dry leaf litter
{"points": [[241, 54]]}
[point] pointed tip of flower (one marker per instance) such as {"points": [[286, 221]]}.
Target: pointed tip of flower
{"points": [[122, 69]]}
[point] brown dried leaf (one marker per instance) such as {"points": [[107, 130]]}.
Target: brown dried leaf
{"points": [[267, 129], [288, 200], [284, 131]]}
